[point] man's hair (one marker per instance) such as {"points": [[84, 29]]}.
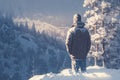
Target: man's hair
{"points": [[77, 17]]}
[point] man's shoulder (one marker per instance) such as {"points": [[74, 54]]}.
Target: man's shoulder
{"points": [[72, 29]]}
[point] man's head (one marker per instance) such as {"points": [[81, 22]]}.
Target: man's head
{"points": [[76, 18]]}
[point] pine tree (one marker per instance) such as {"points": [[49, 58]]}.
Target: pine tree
{"points": [[112, 47], [99, 18]]}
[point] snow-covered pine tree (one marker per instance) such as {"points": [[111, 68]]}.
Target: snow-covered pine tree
{"points": [[99, 18], [112, 47]]}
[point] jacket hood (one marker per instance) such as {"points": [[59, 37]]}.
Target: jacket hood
{"points": [[78, 24]]}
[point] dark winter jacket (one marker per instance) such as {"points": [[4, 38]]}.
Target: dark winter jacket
{"points": [[78, 41]]}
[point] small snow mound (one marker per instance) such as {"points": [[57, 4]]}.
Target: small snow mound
{"points": [[37, 77], [66, 72], [95, 67]]}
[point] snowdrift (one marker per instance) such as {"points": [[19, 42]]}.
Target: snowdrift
{"points": [[93, 73]]}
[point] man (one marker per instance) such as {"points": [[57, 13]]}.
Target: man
{"points": [[78, 44]]}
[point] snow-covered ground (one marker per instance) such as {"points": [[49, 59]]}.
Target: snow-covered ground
{"points": [[93, 73]]}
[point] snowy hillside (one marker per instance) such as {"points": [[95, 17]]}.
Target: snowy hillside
{"points": [[24, 51], [42, 27], [93, 73]]}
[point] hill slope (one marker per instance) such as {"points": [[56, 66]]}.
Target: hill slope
{"points": [[25, 51]]}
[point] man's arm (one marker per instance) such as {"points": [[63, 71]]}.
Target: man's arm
{"points": [[69, 40], [88, 42]]}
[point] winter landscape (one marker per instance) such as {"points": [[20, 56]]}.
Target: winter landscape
{"points": [[33, 33]]}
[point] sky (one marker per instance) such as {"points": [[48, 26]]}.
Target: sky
{"points": [[57, 12]]}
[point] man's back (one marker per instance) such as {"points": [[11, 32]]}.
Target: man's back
{"points": [[80, 41]]}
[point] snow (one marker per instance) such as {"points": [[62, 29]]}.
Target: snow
{"points": [[41, 26], [95, 36], [87, 2], [89, 12], [105, 4], [114, 20], [93, 73]]}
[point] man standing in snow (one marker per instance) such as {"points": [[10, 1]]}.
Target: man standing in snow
{"points": [[78, 44]]}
